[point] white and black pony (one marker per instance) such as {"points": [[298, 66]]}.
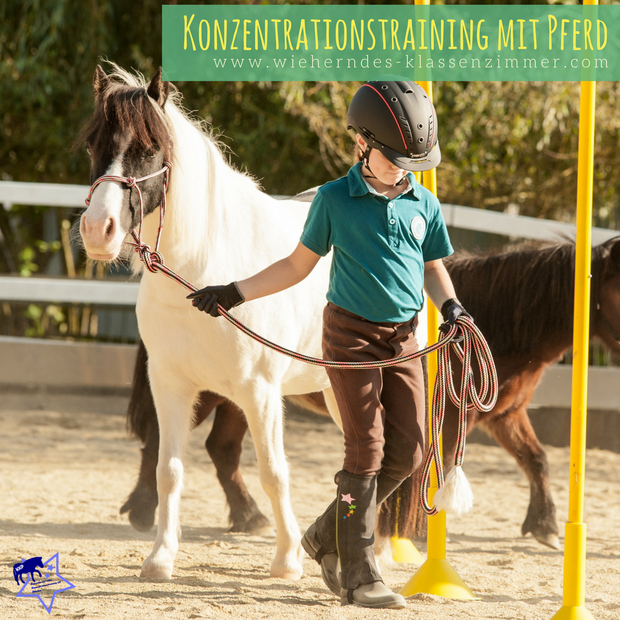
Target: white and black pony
{"points": [[219, 226]]}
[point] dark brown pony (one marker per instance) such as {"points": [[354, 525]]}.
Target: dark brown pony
{"points": [[521, 300]]}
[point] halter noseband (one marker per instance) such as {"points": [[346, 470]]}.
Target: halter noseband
{"points": [[147, 256]]}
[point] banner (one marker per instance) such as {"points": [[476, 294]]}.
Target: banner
{"points": [[353, 42]]}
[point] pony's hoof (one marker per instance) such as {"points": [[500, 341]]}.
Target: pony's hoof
{"points": [[256, 524], [290, 573], [542, 526], [256, 530], [550, 540], [155, 570], [140, 520], [141, 506]]}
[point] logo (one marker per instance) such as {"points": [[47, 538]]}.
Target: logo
{"points": [[347, 498], [418, 227], [47, 584]]}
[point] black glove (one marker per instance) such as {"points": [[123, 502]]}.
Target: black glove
{"points": [[452, 309], [207, 299]]}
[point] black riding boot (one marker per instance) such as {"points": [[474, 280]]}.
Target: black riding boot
{"points": [[355, 524], [319, 541]]}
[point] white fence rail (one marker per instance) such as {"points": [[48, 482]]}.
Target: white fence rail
{"points": [[516, 226], [42, 194], [52, 363], [125, 293], [59, 364], [68, 290]]}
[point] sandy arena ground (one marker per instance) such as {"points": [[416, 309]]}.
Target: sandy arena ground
{"points": [[67, 465]]}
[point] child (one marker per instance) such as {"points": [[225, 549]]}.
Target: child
{"points": [[389, 238]]}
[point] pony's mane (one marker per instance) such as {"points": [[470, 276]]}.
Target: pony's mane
{"points": [[125, 107], [522, 298], [126, 102]]}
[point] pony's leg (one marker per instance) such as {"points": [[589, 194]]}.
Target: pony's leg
{"points": [[264, 416], [332, 406], [143, 500], [174, 413], [224, 447], [514, 432], [142, 422]]}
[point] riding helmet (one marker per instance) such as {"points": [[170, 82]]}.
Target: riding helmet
{"points": [[399, 120]]}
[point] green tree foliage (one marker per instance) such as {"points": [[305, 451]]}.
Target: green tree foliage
{"points": [[48, 52], [506, 146], [512, 146]]}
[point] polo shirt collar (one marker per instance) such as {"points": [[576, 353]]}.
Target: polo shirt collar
{"points": [[358, 186]]}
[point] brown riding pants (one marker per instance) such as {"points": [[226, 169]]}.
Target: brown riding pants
{"points": [[383, 410]]}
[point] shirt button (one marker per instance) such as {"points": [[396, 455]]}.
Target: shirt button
{"points": [[392, 221], [391, 206]]}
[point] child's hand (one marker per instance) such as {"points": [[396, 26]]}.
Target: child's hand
{"points": [[452, 309], [208, 298]]}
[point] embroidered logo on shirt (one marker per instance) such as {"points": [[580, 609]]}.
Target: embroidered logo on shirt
{"points": [[418, 227]]}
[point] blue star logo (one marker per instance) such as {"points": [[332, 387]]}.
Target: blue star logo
{"points": [[52, 582]]}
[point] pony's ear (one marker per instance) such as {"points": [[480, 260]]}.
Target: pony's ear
{"points": [[100, 82], [158, 89], [614, 254]]}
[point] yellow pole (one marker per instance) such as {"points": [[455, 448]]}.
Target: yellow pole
{"points": [[403, 550], [575, 532], [436, 576]]}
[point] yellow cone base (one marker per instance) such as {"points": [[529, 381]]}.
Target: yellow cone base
{"points": [[573, 613], [439, 578], [404, 551], [574, 574]]}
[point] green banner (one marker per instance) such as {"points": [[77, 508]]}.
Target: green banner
{"points": [[338, 42]]}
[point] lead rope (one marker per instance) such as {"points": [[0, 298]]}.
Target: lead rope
{"points": [[464, 330]]}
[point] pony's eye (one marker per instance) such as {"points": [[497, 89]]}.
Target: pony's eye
{"points": [[147, 155]]}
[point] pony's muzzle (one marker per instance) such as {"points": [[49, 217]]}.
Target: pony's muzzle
{"points": [[100, 237]]}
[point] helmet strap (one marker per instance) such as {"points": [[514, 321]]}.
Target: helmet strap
{"points": [[366, 157]]}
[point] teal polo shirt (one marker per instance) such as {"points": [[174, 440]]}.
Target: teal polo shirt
{"points": [[380, 245]]}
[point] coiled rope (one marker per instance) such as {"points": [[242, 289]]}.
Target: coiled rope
{"points": [[466, 399], [464, 330]]}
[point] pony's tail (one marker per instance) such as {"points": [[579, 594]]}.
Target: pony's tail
{"points": [[402, 514], [141, 413]]}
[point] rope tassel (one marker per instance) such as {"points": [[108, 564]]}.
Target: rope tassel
{"points": [[455, 496]]}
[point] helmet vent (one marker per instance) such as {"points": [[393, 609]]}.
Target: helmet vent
{"points": [[404, 123], [431, 128], [367, 133]]}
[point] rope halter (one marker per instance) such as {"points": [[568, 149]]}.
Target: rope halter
{"points": [[150, 258]]}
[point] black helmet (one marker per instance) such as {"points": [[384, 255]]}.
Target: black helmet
{"points": [[399, 120]]}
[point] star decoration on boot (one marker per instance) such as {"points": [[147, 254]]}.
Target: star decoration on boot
{"points": [[347, 498]]}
